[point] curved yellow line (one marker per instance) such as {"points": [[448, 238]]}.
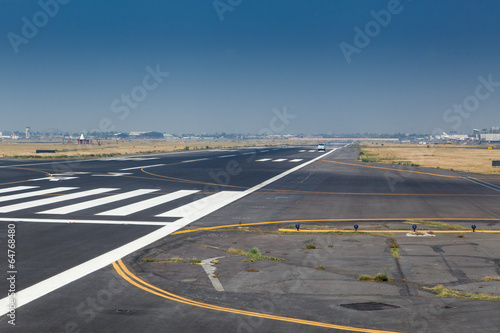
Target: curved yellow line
{"points": [[335, 220], [391, 169], [25, 180], [181, 180], [123, 271]]}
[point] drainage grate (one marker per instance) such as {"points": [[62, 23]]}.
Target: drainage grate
{"points": [[369, 306]]}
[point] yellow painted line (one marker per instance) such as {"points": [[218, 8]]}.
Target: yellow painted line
{"points": [[388, 231], [392, 169], [25, 180], [180, 180], [335, 220], [123, 271]]}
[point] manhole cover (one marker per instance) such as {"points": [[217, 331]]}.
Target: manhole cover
{"points": [[124, 312], [369, 306]]}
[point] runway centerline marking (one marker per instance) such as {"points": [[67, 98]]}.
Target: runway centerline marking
{"points": [[196, 160], [143, 167], [57, 281], [483, 183]]}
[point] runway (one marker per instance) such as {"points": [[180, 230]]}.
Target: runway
{"points": [[75, 218]]}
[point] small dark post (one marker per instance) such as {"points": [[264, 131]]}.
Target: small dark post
{"points": [[414, 227], [297, 226], [355, 227], [473, 228]]}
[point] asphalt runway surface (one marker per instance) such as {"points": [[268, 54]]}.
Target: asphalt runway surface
{"points": [[75, 219]]}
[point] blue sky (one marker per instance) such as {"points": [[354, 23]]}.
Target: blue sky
{"points": [[75, 72]]}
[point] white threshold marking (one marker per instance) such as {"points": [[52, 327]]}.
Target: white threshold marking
{"points": [[143, 167], [16, 188], [48, 201], [57, 281], [149, 203], [279, 160], [263, 160], [97, 202], [35, 193], [31, 220]]}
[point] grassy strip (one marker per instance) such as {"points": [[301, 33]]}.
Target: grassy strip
{"points": [[379, 277], [491, 278], [65, 156], [395, 253], [333, 232], [175, 259], [253, 253], [293, 232], [438, 225], [442, 291]]}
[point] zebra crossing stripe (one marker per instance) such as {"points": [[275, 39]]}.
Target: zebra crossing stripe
{"points": [[16, 188], [35, 193], [48, 201], [200, 204], [143, 205], [97, 202]]}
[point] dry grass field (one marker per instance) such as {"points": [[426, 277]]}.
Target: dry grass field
{"points": [[476, 159], [28, 148]]}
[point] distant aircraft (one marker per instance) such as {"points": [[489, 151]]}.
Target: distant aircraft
{"points": [[459, 137]]}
